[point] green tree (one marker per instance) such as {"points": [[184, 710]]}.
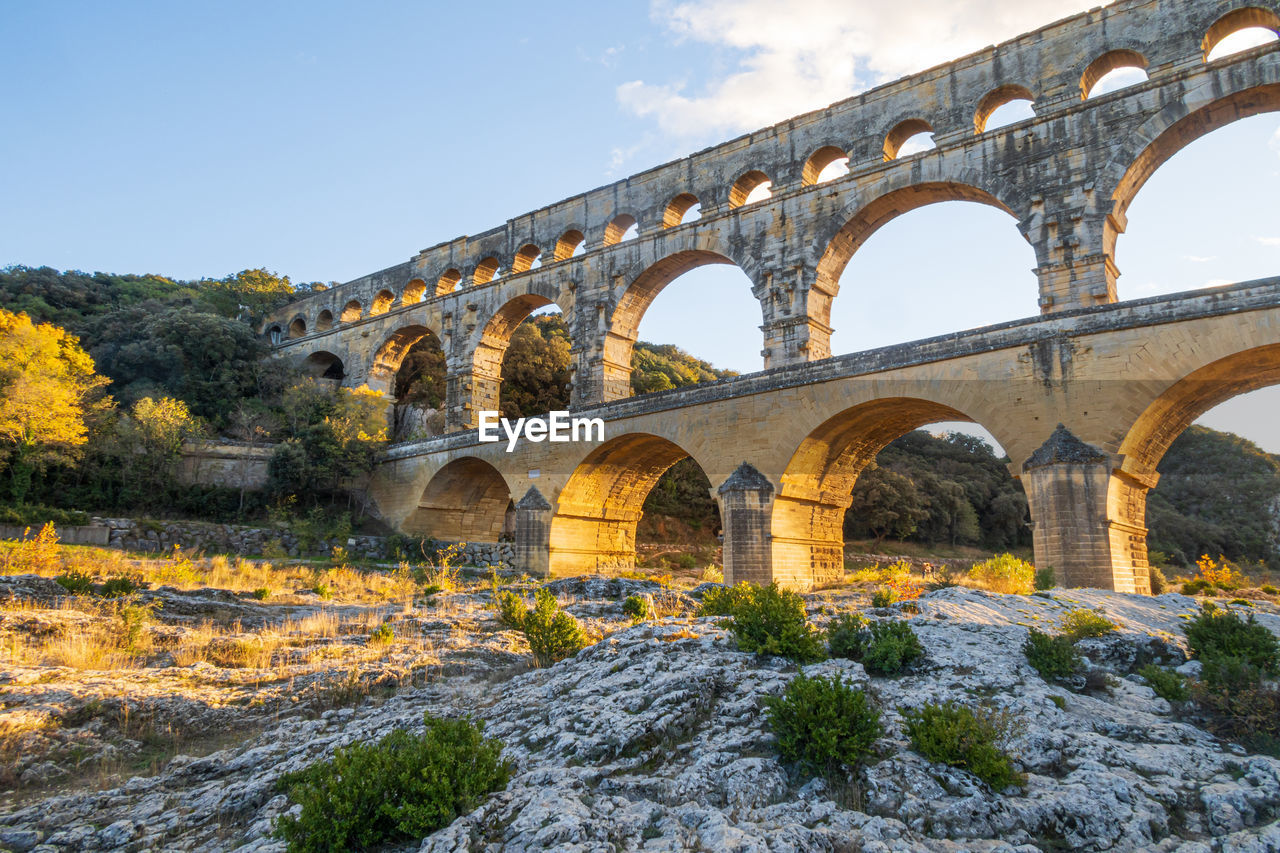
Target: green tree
{"points": [[47, 390], [148, 449], [885, 503], [535, 370]]}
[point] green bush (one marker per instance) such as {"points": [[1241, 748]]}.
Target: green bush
{"points": [[723, 600], [1081, 623], [398, 790], [635, 606], [1045, 578], [885, 648], [76, 583], [845, 635], [1165, 682], [511, 610], [1268, 589], [553, 635], [772, 621], [1198, 585], [382, 635], [823, 723], [956, 735], [1159, 583], [1239, 704], [323, 590], [115, 587], [262, 593], [1051, 656], [884, 596], [34, 515], [1005, 573], [1221, 633], [686, 561]]}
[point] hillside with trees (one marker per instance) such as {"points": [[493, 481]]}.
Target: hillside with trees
{"points": [[106, 376]]}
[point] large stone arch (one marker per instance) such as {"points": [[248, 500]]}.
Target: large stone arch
{"points": [[633, 302], [466, 501], [389, 356], [807, 521], [1200, 112], [1154, 430], [868, 215], [594, 523], [323, 364], [480, 365]]}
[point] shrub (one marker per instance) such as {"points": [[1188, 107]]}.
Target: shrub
{"points": [[1045, 578], [1238, 704], [885, 596], [1051, 656], [686, 561], [1221, 573], [76, 583], [1081, 623], [38, 555], [772, 621], [1165, 682], [323, 590], [382, 635], [823, 723], [1159, 583], [134, 619], [712, 574], [1198, 585], [1221, 633], [1268, 589], [844, 635], [723, 600], [116, 587], [1005, 573], [400, 789], [636, 607], [262, 593], [511, 610], [956, 735], [553, 635]]}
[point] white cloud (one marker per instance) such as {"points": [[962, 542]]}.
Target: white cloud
{"points": [[1198, 259], [806, 54], [1269, 241]]}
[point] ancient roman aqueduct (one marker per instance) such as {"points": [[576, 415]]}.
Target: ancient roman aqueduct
{"points": [[1085, 398]]}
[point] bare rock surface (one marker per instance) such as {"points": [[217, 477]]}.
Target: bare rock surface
{"points": [[655, 739]]}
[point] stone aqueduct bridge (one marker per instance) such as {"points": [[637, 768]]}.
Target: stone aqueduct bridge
{"points": [[783, 447]]}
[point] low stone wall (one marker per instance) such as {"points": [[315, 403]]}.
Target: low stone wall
{"points": [[161, 536], [86, 534]]}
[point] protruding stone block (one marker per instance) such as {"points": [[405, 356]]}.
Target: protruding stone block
{"points": [[746, 504], [533, 533]]}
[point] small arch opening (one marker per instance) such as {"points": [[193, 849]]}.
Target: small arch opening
{"points": [[909, 137], [448, 282], [529, 257], [681, 209], [752, 187], [1240, 30], [414, 292], [324, 321], [275, 334], [351, 312], [1005, 105], [570, 244], [297, 328], [382, 303], [623, 227], [486, 271], [1114, 70], [825, 164]]}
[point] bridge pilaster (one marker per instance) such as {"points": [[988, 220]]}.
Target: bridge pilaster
{"points": [[746, 506], [796, 308], [1076, 529], [533, 534]]}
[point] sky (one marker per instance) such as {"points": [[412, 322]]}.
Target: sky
{"points": [[327, 140]]}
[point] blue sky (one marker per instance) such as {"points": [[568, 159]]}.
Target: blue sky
{"points": [[326, 140]]}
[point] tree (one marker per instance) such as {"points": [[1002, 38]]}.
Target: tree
{"points": [[148, 448], [885, 503], [47, 390]]}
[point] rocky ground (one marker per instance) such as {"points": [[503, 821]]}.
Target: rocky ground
{"points": [[654, 739]]}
